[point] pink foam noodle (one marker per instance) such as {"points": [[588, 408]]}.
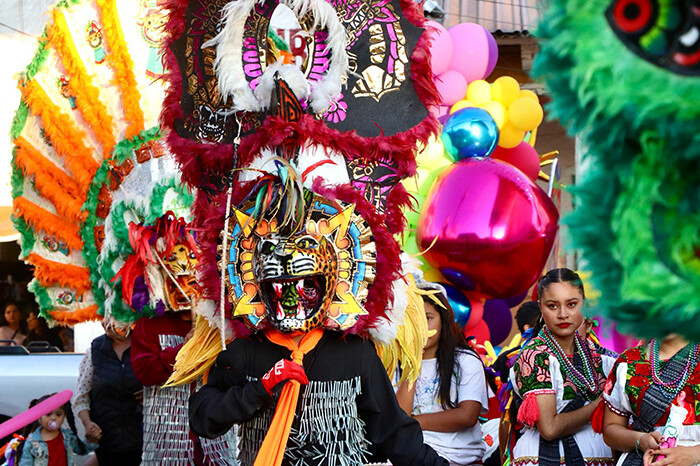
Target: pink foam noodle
{"points": [[34, 413]]}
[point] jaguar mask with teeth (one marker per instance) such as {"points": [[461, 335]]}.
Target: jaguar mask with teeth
{"points": [[296, 276], [160, 275]]}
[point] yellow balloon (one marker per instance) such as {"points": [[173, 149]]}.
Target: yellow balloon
{"points": [[510, 136], [529, 94], [479, 92], [505, 90], [525, 114], [460, 105], [428, 156], [498, 111], [413, 183]]}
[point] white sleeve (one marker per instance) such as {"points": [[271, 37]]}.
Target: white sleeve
{"points": [[471, 385], [617, 400], [81, 398]]}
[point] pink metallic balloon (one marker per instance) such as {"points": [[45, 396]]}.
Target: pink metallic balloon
{"points": [[493, 225]]}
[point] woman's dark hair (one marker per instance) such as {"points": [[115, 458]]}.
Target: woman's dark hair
{"points": [[451, 339], [22, 320], [562, 275], [34, 425], [42, 331]]}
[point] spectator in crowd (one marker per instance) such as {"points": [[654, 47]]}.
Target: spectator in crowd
{"points": [[13, 327], [108, 399], [558, 379], [66, 336], [651, 403], [450, 392], [39, 331], [49, 442]]}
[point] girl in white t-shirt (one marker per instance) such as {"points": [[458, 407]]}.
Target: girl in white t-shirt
{"points": [[450, 392]]}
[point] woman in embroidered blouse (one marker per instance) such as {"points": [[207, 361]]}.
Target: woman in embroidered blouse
{"points": [[643, 384], [559, 392]]}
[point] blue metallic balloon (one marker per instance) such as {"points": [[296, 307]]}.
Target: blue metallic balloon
{"points": [[470, 132], [460, 304]]}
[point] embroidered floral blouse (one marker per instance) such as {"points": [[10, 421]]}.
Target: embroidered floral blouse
{"points": [[533, 375], [631, 377]]}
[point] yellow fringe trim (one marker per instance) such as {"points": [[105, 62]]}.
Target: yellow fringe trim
{"points": [[50, 273], [407, 348], [51, 182], [197, 355], [65, 137], [87, 96], [42, 220], [123, 67], [75, 317]]}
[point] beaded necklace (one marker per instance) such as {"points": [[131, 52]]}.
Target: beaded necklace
{"points": [[671, 389], [587, 381]]}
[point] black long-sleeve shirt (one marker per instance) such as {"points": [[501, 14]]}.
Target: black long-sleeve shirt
{"points": [[347, 410]]}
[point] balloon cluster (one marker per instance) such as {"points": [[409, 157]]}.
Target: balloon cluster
{"points": [[515, 111], [483, 228], [465, 53]]}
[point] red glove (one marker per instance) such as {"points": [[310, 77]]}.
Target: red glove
{"points": [[282, 371]]}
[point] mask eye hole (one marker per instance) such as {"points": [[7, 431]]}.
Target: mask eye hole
{"points": [[267, 247], [307, 242]]}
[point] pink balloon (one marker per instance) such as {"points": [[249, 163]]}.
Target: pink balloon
{"points": [[34, 413], [493, 53], [523, 157], [473, 51], [440, 111], [451, 86], [489, 222], [440, 49]]}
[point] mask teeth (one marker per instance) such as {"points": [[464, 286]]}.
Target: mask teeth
{"points": [[300, 311], [280, 311], [300, 287], [278, 289]]}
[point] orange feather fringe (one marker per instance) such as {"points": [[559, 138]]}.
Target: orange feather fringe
{"points": [[123, 67], [65, 137], [51, 273], [42, 220], [51, 182], [75, 317], [87, 96]]}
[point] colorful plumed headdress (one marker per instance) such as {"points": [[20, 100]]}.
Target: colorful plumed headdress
{"points": [[347, 121], [160, 273], [620, 74], [301, 261], [299, 167], [89, 159]]}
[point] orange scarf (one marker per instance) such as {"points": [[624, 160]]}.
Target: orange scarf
{"points": [[272, 449]]}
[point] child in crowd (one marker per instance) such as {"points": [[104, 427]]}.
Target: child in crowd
{"points": [[450, 393], [51, 444]]}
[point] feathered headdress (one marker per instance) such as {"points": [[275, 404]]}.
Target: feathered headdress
{"points": [[88, 159]]}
